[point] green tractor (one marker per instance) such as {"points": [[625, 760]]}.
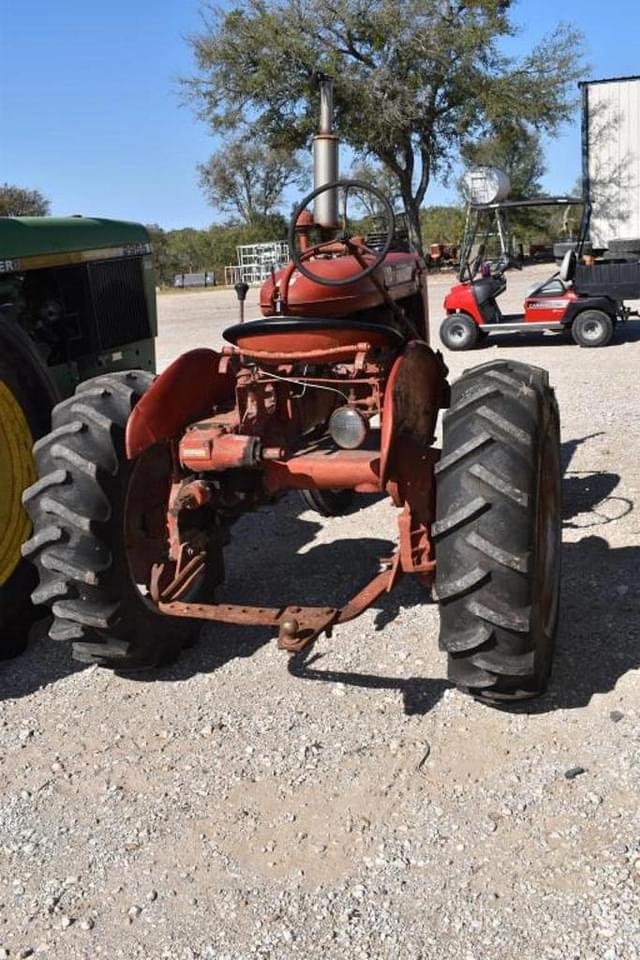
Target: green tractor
{"points": [[77, 299]]}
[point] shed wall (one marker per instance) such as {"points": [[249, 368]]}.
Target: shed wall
{"points": [[613, 142]]}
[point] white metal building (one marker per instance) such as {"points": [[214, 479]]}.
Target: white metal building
{"points": [[256, 261], [611, 157]]}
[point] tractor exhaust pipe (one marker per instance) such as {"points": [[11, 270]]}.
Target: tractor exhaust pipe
{"points": [[325, 159]]}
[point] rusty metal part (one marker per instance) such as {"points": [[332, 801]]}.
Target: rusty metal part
{"points": [[326, 354], [356, 469], [358, 249], [414, 393], [300, 626], [297, 626], [207, 447], [415, 550], [181, 583], [145, 520], [192, 495], [187, 390]]}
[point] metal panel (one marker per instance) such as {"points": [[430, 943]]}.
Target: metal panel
{"points": [[119, 302], [611, 119]]}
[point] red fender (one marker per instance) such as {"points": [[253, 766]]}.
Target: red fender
{"points": [[186, 391], [416, 389]]}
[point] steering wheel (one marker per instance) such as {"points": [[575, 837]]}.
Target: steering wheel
{"points": [[344, 237]]}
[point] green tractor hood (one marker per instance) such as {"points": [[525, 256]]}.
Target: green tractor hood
{"points": [[27, 238]]}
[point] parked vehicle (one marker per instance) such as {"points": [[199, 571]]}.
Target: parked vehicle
{"points": [[334, 390], [77, 299], [585, 301]]}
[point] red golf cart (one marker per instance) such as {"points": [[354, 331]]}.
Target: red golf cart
{"points": [[585, 300]]}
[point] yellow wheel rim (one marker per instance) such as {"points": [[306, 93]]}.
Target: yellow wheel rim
{"points": [[17, 471]]}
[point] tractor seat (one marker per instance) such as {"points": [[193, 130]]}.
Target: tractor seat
{"points": [[287, 336]]}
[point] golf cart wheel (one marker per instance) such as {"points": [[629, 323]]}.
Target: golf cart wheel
{"points": [[498, 531], [328, 503], [459, 332], [98, 518], [592, 328]]}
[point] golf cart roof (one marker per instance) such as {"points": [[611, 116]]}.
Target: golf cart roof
{"points": [[534, 202]]}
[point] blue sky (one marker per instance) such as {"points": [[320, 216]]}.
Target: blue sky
{"points": [[90, 112]]}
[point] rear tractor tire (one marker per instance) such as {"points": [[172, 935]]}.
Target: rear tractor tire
{"points": [[459, 331], [498, 531], [26, 398], [88, 505]]}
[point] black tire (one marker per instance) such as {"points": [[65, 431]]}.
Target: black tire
{"points": [[328, 503], [592, 328], [498, 531], [78, 545], [559, 249], [628, 245], [24, 374], [459, 332]]}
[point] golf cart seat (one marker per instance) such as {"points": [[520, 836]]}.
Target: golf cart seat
{"points": [[560, 281], [567, 270], [486, 288]]}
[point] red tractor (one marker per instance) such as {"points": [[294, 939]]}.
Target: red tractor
{"points": [[334, 390]]}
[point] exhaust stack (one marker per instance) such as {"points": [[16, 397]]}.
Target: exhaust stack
{"points": [[325, 159]]}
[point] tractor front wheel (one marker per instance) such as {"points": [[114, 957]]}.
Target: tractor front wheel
{"points": [[99, 520], [498, 531]]}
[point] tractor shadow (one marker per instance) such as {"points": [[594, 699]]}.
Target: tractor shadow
{"points": [[599, 635], [44, 662]]}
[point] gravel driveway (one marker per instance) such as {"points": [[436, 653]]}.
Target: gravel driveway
{"points": [[239, 806]]}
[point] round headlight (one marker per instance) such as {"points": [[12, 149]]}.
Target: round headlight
{"points": [[348, 428]]}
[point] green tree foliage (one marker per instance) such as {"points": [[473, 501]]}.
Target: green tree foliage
{"points": [[19, 202], [442, 224], [414, 78], [247, 179], [197, 251]]}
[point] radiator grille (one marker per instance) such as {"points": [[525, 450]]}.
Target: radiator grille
{"points": [[119, 302]]}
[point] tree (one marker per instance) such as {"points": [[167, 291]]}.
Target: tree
{"points": [[19, 202], [442, 224], [248, 179], [414, 78]]}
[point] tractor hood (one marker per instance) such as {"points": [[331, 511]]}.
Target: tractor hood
{"points": [[23, 239]]}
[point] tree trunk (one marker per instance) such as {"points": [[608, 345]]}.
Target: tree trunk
{"points": [[413, 222]]}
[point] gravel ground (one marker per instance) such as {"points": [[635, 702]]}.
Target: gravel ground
{"points": [[239, 805]]}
